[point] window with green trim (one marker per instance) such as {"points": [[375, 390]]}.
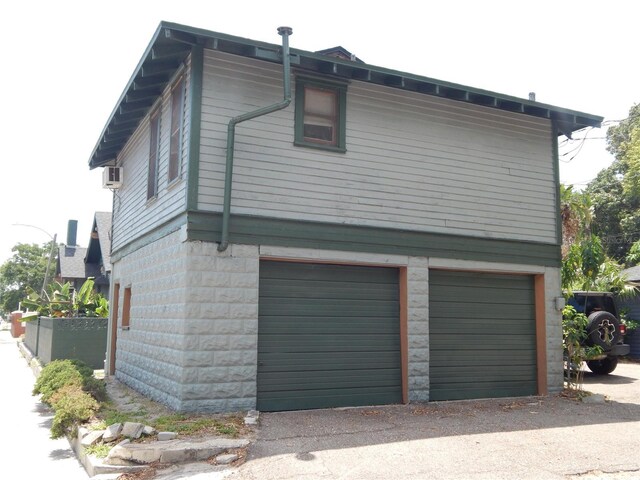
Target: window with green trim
{"points": [[320, 114]]}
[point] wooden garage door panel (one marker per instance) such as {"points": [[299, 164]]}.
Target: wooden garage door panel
{"points": [[482, 335], [328, 336]]}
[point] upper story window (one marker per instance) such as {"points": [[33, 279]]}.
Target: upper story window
{"points": [[320, 114], [175, 145], [154, 141]]}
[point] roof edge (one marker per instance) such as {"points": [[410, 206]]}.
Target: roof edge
{"points": [[176, 34]]}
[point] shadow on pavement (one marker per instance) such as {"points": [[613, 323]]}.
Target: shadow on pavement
{"points": [[46, 424], [611, 379], [315, 430], [61, 454]]}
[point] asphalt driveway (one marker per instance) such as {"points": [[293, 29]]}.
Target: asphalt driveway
{"points": [[524, 438]]}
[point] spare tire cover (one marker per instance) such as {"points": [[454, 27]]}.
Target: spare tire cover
{"points": [[603, 330]]}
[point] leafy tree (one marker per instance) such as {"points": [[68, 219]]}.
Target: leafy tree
{"points": [[633, 258], [25, 269], [585, 263], [619, 137], [615, 192]]}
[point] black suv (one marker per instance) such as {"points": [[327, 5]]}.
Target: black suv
{"points": [[603, 330]]}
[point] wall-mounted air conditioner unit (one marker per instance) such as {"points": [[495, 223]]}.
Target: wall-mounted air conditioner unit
{"points": [[112, 177]]}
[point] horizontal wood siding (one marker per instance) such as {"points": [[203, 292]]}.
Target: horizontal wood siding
{"points": [[413, 162], [133, 214]]}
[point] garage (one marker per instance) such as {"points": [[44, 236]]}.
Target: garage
{"points": [[482, 332], [328, 336]]}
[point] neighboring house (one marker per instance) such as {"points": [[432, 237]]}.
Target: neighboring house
{"points": [[631, 309], [98, 256], [388, 238], [75, 264]]}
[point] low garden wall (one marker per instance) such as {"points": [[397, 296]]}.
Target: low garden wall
{"points": [[83, 338]]}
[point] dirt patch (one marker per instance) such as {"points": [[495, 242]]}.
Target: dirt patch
{"points": [[125, 399], [127, 405]]}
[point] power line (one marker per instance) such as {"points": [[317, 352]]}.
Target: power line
{"points": [[578, 148]]}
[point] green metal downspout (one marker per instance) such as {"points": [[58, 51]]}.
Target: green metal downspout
{"points": [[231, 131]]}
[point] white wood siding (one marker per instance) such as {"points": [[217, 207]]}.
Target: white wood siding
{"points": [[413, 161], [133, 214]]}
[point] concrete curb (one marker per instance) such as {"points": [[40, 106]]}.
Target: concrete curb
{"points": [[141, 455], [32, 360], [94, 465]]}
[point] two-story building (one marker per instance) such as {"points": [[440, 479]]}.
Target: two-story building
{"points": [[301, 230]]}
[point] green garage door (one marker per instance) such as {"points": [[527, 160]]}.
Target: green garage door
{"points": [[328, 336], [482, 334]]}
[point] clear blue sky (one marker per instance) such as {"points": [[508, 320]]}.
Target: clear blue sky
{"points": [[65, 64]]}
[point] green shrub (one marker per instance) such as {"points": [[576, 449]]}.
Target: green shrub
{"points": [[60, 373], [94, 387], [72, 406], [55, 376]]}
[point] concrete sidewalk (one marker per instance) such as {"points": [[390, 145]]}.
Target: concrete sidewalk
{"points": [[26, 450]]}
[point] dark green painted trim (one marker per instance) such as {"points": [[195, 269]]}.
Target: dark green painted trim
{"points": [[147, 238], [556, 175], [205, 226], [341, 90], [195, 121]]}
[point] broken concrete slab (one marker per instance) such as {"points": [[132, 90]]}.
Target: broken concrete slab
{"points": [[148, 431], [112, 432], [132, 430], [226, 458], [252, 417], [172, 451], [594, 398], [164, 436], [91, 438]]}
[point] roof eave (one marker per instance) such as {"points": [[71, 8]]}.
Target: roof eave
{"points": [[171, 44]]}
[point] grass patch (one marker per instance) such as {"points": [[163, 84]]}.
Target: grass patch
{"points": [[100, 450], [110, 415], [229, 426]]}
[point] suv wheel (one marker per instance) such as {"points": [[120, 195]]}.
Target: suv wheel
{"points": [[604, 366], [603, 330]]}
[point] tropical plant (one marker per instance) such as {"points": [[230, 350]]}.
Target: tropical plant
{"points": [[581, 265], [576, 212], [633, 257], [59, 300], [574, 334]]}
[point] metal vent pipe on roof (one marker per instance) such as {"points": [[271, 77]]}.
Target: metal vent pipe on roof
{"points": [[228, 176]]}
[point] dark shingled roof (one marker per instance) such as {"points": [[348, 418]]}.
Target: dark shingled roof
{"points": [[633, 273], [101, 246], [71, 262]]}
